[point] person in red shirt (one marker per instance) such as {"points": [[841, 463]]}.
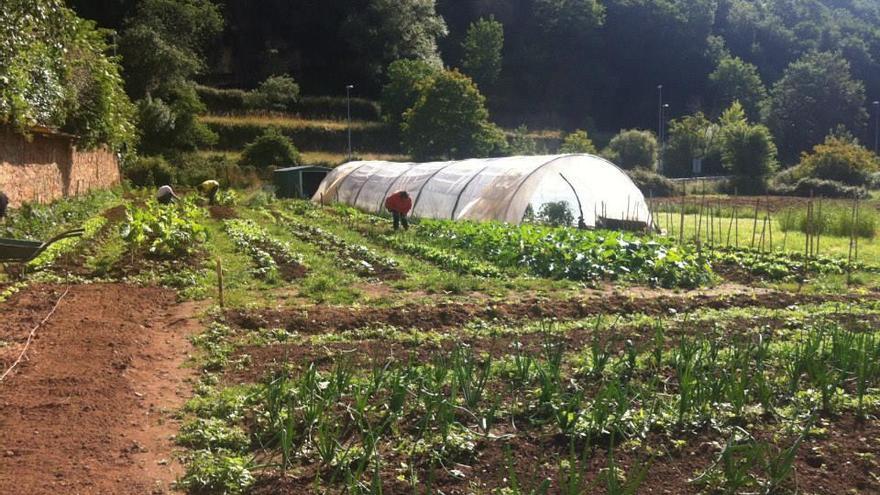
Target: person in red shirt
{"points": [[399, 205]]}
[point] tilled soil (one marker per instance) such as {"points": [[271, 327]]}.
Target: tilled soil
{"points": [[87, 412], [843, 461], [320, 319]]}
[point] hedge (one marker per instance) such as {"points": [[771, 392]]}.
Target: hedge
{"points": [[235, 136], [226, 101]]}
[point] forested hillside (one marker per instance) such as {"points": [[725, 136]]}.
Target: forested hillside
{"points": [[572, 63]]}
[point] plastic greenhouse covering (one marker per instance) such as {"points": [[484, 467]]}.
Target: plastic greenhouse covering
{"points": [[503, 189]]}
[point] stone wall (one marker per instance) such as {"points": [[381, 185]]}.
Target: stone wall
{"points": [[46, 166]]}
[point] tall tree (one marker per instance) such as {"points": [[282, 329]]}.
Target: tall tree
{"points": [[815, 95], [163, 43], [483, 47], [736, 80], [450, 120]]}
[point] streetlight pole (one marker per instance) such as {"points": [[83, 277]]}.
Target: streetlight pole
{"points": [[664, 112], [876, 123], [660, 112], [348, 89]]}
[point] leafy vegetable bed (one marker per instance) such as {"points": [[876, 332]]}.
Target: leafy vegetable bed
{"points": [[573, 254], [272, 258], [356, 257]]}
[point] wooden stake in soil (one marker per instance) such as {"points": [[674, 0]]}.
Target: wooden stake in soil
{"points": [[220, 282], [755, 224]]}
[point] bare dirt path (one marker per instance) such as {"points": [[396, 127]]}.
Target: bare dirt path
{"points": [[89, 411]]}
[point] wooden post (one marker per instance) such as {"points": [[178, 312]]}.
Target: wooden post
{"points": [[681, 220], [755, 224], [220, 283], [852, 231], [819, 227]]}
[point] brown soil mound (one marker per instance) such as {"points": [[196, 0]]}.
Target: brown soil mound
{"points": [[85, 413], [318, 319], [222, 212], [115, 214], [292, 271]]}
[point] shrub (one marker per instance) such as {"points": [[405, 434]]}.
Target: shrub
{"points": [[276, 93], [450, 120], [652, 183], [840, 159], [235, 135], [633, 148], [578, 142], [820, 188], [874, 181], [270, 149], [556, 213], [195, 168], [520, 143], [223, 100], [149, 171], [336, 107]]}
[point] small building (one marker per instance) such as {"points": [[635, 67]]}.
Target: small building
{"points": [[46, 165], [299, 182]]}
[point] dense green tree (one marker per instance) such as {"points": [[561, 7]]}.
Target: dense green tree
{"points": [[450, 120], [389, 30], [736, 80], [483, 47], [170, 126], [578, 142], [816, 94], [691, 137], [633, 148], [402, 89], [747, 151], [163, 43], [54, 72]]}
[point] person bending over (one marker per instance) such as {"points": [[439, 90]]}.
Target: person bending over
{"points": [[165, 195], [399, 205], [209, 189]]}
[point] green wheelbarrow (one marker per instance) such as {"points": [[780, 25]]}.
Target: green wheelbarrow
{"points": [[16, 251]]}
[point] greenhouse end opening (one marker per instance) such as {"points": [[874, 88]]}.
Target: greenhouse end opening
{"points": [[577, 189]]}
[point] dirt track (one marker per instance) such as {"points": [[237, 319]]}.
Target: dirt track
{"points": [[87, 413]]}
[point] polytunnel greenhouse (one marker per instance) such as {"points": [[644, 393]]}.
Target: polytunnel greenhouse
{"points": [[505, 189]]}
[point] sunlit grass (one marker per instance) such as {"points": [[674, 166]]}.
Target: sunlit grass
{"points": [[289, 122]]}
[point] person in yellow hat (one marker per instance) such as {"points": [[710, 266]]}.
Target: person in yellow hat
{"points": [[209, 189]]}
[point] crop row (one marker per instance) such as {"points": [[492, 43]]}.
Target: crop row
{"points": [[778, 265], [573, 254], [350, 425], [356, 257], [442, 258], [266, 252]]}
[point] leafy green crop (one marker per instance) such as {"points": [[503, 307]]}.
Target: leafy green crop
{"points": [[573, 254], [167, 231]]}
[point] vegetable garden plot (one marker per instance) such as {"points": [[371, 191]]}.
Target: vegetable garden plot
{"points": [[272, 258], [356, 257], [400, 423]]}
